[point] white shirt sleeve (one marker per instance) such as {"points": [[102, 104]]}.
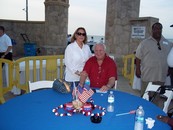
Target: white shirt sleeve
{"points": [[69, 57], [5, 42], [170, 58], [75, 59]]}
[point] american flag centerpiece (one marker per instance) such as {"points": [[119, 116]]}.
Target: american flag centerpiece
{"points": [[80, 104], [82, 95]]}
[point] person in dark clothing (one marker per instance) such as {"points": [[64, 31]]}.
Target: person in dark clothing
{"points": [[166, 119]]}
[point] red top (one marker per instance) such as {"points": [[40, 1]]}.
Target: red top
{"points": [[99, 75], [170, 122]]}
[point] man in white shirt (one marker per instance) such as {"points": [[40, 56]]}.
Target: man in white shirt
{"points": [[5, 45]]}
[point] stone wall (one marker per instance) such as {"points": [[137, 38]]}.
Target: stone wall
{"points": [[34, 30], [145, 22], [117, 34], [50, 36], [119, 13], [121, 16], [56, 26]]}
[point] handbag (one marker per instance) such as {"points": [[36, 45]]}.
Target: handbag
{"points": [[61, 86]]}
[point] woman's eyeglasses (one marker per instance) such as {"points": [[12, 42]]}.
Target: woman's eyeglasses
{"points": [[79, 34], [159, 47]]}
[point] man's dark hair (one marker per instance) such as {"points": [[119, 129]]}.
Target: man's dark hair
{"points": [[157, 23], [2, 28]]}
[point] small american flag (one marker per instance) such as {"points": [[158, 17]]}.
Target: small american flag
{"points": [[84, 93]]}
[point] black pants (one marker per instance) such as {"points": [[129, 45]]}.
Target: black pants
{"points": [[9, 56], [171, 74]]}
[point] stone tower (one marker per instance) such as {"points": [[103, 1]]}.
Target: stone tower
{"points": [[56, 26], [118, 30]]}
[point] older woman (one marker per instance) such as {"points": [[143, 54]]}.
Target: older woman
{"points": [[76, 54]]}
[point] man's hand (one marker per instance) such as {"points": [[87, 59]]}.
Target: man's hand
{"points": [[138, 73], [163, 118], [138, 67], [104, 88], [2, 56]]}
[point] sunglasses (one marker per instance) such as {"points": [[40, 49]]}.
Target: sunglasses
{"points": [[79, 34], [159, 47]]}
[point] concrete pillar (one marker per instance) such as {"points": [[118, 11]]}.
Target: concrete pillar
{"points": [[118, 30], [56, 26]]}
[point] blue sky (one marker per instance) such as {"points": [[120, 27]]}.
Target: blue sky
{"points": [[90, 14]]}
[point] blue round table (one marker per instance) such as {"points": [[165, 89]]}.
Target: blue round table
{"points": [[33, 111]]}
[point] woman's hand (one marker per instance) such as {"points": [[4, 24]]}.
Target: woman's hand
{"points": [[138, 73], [77, 73]]}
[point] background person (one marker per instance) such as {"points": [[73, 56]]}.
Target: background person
{"points": [[166, 119], [91, 44], [92, 40], [101, 40], [5, 45], [136, 80], [68, 39], [151, 58], [76, 54], [100, 69]]}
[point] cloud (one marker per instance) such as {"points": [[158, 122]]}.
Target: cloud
{"points": [[160, 9], [88, 13]]}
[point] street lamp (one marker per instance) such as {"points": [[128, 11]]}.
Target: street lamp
{"points": [[26, 10]]}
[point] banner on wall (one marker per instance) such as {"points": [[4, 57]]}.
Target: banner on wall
{"points": [[138, 32]]}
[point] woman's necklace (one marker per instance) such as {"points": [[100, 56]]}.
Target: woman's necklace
{"points": [[80, 45]]}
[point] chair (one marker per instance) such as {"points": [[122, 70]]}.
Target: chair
{"points": [[155, 88], [115, 86], [39, 85]]}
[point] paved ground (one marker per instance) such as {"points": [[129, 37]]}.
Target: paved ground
{"points": [[123, 85]]}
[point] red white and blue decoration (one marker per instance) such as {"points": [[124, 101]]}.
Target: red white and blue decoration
{"points": [[80, 104]]}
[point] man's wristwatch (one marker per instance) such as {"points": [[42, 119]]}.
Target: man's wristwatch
{"points": [[81, 84]]}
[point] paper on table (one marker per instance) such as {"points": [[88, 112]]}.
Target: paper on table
{"points": [[150, 122], [98, 91]]}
